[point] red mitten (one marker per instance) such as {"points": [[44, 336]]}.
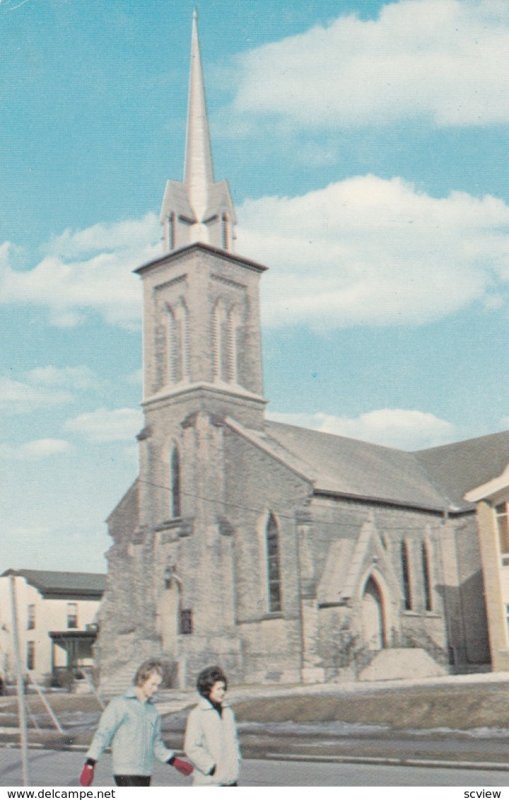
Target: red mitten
{"points": [[87, 775], [183, 766]]}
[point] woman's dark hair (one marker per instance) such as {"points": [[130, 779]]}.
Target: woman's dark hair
{"points": [[208, 677]]}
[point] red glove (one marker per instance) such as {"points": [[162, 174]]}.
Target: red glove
{"points": [[182, 766], [87, 775]]}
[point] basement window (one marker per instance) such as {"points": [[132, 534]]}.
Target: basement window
{"points": [[503, 532]]}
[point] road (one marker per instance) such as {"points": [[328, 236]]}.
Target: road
{"points": [[61, 768]]}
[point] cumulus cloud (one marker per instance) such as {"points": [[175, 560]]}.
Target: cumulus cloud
{"points": [[84, 271], [442, 60], [362, 251], [81, 377], [107, 425], [36, 450], [370, 251], [19, 397], [404, 429]]}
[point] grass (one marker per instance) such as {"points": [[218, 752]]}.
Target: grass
{"points": [[461, 707]]}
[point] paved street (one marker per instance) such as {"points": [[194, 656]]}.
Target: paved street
{"points": [[61, 768]]}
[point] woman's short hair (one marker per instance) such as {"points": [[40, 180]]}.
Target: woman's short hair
{"points": [[146, 669], [208, 677]]}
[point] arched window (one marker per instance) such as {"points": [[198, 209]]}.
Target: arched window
{"points": [[426, 577], [273, 567], [220, 341], [405, 574], [234, 320], [177, 343], [175, 484]]}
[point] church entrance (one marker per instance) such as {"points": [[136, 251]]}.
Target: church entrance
{"points": [[372, 617]]}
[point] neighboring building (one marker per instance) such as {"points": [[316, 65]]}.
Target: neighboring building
{"points": [[56, 620], [282, 553], [492, 500]]}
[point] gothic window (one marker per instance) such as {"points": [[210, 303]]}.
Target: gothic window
{"points": [[273, 566], [503, 532], [234, 320], [426, 577], [220, 342], [405, 574], [175, 487], [178, 346]]}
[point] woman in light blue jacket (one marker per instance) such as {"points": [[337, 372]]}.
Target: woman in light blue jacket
{"points": [[132, 725]]}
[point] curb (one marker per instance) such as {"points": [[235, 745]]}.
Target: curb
{"points": [[393, 762]]}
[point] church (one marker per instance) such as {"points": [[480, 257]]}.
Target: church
{"points": [[281, 553]]}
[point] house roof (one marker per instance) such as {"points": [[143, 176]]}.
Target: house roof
{"points": [[435, 479], [63, 584]]}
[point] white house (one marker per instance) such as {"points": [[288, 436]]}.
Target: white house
{"points": [[56, 620]]}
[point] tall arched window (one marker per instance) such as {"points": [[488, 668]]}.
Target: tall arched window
{"points": [[175, 484], [273, 567], [177, 343], [426, 577], [405, 574]]}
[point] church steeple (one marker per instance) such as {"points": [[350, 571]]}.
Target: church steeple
{"points": [[199, 209]]}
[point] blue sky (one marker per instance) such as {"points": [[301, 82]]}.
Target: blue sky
{"points": [[366, 145]]}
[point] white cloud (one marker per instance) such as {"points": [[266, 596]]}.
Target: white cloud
{"points": [[107, 425], [405, 429], [369, 251], [97, 279], [36, 450], [18, 397], [81, 377], [444, 60]]}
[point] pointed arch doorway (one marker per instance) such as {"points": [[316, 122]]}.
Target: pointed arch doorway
{"points": [[373, 628]]}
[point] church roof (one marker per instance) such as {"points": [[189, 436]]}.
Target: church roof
{"points": [[63, 584], [462, 466], [434, 479]]}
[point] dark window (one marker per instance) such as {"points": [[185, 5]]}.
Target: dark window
{"points": [[176, 506], [30, 655], [186, 620], [72, 615], [503, 532], [426, 577], [31, 617], [405, 574], [273, 568]]}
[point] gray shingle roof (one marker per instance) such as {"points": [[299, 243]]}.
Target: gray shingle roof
{"points": [[462, 466], [63, 584], [434, 479]]}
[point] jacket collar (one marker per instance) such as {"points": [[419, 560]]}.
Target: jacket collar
{"points": [[131, 694], [206, 705]]}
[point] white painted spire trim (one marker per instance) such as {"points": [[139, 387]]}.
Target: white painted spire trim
{"points": [[198, 170]]}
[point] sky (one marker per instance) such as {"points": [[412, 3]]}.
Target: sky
{"points": [[366, 145]]}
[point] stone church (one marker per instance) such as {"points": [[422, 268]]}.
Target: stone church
{"points": [[281, 553]]}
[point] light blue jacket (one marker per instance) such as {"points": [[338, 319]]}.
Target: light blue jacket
{"points": [[133, 729]]}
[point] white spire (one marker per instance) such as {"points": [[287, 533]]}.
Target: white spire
{"points": [[198, 170], [197, 209]]}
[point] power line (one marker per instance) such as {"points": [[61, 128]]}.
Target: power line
{"points": [[359, 516]]}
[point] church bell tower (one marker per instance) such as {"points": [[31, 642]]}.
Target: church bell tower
{"points": [[202, 371], [201, 300]]}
